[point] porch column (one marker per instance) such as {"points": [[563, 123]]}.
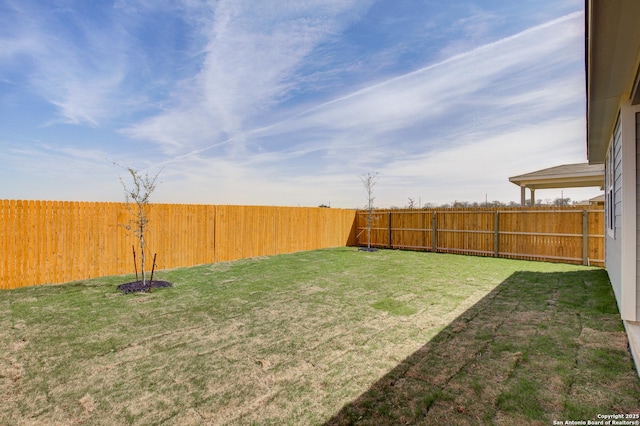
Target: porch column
{"points": [[533, 197], [523, 195]]}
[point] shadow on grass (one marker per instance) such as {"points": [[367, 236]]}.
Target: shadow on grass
{"points": [[540, 347]]}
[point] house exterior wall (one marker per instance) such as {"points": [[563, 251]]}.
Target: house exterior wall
{"points": [[613, 211], [613, 85], [622, 238], [629, 292]]}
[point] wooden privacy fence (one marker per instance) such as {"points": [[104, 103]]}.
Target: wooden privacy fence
{"points": [[570, 235], [43, 242]]}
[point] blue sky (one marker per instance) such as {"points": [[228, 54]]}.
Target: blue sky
{"points": [[289, 102]]}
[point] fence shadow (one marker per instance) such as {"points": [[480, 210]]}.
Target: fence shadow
{"points": [[532, 350]]}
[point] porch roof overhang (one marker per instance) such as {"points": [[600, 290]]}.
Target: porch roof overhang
{"points": [[564, 176], [612, 44]]}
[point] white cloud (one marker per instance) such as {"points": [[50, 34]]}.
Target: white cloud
{"points": [[81, 83], [472, 84], [93, 66], [228, 128], [468, 122], [251, 56]]}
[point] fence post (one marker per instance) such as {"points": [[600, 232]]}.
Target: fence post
{"points": [[496, 235], [434, 232], [425, 218], [585, 237], [390, 245], [357, 229]]}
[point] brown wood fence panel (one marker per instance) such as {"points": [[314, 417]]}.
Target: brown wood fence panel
{"points": [[568, 234], [595, 230], [249, 231], [45, 242], [465, 232], [547, 235], [379, 229], [244, 231], [410, 231]]}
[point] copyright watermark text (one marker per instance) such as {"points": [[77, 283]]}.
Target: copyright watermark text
{"points": [[626, 419]]}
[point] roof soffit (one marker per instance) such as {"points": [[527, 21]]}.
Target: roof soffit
{"points": [[612, 55]]}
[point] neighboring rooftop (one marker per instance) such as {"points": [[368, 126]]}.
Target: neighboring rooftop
{"points": [[564, 176]]}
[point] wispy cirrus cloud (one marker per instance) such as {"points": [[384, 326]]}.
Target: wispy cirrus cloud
{"points": [[90, 64], [78, 84], [465, 93], [250, 102], [472, 112], [252, 53]]}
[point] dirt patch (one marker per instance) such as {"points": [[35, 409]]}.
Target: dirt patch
{"points": [[11, 370], [87, 403], [601, 339]]}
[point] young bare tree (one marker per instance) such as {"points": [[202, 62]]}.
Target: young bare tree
{"points": [[137, 199], [369, 180], [412, 204]]}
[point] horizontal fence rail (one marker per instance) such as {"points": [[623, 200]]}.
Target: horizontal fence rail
{"points": [[47, 242], [569, 234]]}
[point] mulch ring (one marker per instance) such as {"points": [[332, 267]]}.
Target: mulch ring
{"points": [[137, 286]]}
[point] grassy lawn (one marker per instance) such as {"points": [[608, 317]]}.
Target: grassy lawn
{"points": [[331, 336]]}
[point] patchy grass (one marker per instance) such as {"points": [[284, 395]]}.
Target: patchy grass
{"points": [[394, 307], [333, 336]]}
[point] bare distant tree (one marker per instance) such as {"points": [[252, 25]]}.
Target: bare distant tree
{"points": [[369, 180], [412, 204], [137, 199], [562, 201]]}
